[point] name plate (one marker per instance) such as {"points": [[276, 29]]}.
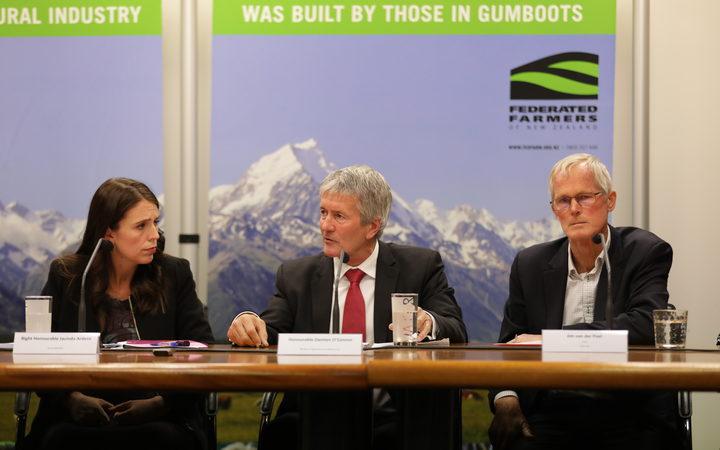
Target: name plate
{"points": [[585, 341], [57, 343], [319, 344], [55, 359], [330, 360], [584, 357]]}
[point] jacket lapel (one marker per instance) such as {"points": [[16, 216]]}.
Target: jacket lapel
{"points": [[555, 283], [321, 293], [385, 284], [617, 267]]}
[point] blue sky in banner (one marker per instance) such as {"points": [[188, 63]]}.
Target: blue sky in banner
{"points": [[75, 111], [429, 112]]}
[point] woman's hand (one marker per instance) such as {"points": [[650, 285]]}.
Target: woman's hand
{"points": [[138, 411], [88, 410]]}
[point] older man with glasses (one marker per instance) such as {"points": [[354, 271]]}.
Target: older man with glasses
{"points": [[563, 284]]}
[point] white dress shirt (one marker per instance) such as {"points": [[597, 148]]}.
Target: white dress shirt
{"points": [[367, 287], [579, 297]]}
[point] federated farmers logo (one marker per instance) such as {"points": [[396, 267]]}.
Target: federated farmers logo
{"points": [[572, 75], [545, 85]]}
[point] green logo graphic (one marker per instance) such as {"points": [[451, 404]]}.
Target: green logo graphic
{"points": [[572, 75]]}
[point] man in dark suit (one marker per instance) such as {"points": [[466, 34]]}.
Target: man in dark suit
{"points": [[354, 209], [563, 284]]}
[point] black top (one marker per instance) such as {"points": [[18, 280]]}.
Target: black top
{"points": [[183, 318]]}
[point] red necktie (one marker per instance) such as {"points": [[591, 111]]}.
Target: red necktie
{"points": [[354, 312]]}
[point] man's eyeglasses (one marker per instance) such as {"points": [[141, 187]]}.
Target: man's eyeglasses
{"points": [[584, 200]]}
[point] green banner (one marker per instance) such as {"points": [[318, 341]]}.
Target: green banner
{"points": [[413, 17], [80, 17]]}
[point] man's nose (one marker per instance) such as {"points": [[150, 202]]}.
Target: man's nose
{"points": [[575, 205], [326, 224]]}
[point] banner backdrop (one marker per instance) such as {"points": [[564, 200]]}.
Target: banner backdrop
{"points": [[463, 106], [80, 102]]}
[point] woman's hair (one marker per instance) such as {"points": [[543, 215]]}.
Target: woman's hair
{"points": [[108, 206]]}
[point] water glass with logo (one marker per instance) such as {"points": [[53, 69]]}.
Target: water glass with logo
{"points": [[404, 318], [38, 313], [670, 327]]}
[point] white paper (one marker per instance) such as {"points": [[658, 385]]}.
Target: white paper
{"points": [[533, 343], [439, 343]]}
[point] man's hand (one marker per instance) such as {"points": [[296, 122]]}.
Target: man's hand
{"points": [[134, 412], [424, 324], [86, 410], [508, 424], [248, 330]]}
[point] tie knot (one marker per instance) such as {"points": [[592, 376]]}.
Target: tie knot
{"points": [[354, 275]]}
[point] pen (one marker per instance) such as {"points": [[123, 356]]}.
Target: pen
{"points": [[171, 344]]}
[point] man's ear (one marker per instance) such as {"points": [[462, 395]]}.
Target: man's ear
{"points": [[374, 228], [612, 197]]}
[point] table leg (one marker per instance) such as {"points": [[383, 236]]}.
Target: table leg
{"points": [[430, 418], [335, 420]]}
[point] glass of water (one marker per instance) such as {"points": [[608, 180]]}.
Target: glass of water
{"points": [[404, 318], [38, 314], [670, 327]]}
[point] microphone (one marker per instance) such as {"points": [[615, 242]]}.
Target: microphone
{"points": [[600, 239], [344, 258], [106, 246]]}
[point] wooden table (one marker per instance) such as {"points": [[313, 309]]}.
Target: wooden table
{"points": [[231, 370], [498, 367], [226, 369], [321, 382], [423, 375]]}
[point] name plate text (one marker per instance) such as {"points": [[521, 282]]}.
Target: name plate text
{"points": [[585, 341], [57, 343], [319, 344]]}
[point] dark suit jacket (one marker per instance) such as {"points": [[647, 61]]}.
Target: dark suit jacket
{"points": [[640, 263], [304, 288], [183, 319]]}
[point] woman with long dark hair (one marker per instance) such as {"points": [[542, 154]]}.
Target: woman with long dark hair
{"points": [[133, 291]]}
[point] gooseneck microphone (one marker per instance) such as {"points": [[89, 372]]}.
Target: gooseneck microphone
{"points": [[344, 258], [106, 246], [600, 239]]}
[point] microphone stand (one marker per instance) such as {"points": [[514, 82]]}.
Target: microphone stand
{"points": [[106, 245], [600, 239], [344, 258]]}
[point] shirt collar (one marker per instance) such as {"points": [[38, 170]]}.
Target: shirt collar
{"points": [[572, 271], [369, 266]]}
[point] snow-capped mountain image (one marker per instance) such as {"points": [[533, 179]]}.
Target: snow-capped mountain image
{"points": [[271, 215], [29, 240]]}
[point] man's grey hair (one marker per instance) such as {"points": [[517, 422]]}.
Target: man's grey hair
{"points": [[368, 186], [563, 167]]}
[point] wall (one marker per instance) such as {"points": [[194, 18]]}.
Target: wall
{"points": [[683, 166]]}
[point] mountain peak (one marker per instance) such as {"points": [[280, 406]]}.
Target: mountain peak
{"points": [[287, 160], [17, 208], [291, 164], [313, 160]]}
